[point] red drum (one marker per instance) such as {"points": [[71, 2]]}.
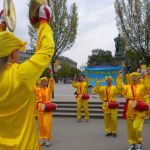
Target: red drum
{"points": [[49, 107], [85, 96], [139, 105], [112, 104]]}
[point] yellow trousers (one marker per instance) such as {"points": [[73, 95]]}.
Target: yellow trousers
{"points": [[84, 103], [45, 125], [134, 129], [110, 122]]}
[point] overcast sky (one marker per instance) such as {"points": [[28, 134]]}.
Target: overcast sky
{"points": [[96, 29]]}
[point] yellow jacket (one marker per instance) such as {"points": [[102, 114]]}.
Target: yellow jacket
{"points": [[44, 94], [110, 95], [81, 88], [139, 92], [17, 104]]}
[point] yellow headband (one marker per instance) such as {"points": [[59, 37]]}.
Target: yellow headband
{"points": [[135, 74], [9, 42], [44, 78], [109, 77]]}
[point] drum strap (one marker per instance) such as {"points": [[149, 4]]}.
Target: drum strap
{"points": [[80, 90], [133, 94], [107, 98]]}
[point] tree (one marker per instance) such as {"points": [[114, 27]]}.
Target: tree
{"points": [[132, 60], [46, 73], [98, 56], [64, 25], [65, 69], [74, 71], [133, 22]]}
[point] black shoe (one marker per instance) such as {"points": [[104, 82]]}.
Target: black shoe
{"points": [[114, 134], [108, 134]]}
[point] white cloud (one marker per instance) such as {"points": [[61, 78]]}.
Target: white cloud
{"points": [[97, 27]]}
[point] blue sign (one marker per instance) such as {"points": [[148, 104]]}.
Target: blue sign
{"points": [[101, 73]]}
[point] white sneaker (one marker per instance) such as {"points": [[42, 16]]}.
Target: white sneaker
{"points": [[42, 142], [139, 146], [48, 142], [131, 147]]}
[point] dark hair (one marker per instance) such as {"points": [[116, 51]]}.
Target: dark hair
{"points": [[3, 62], [82, 75]]}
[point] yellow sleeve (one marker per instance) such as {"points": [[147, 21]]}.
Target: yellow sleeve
{"points": [[121, 88], [34, 67], [51, 85], [98, 87], [146, 83], [87, 84], [74, 84]]}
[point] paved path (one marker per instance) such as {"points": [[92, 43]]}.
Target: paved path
{"points": [[69, 135], [65, 92]]}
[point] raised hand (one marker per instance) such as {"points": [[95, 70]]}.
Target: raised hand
{"points": [[75, 78], [44, 13], [2, 20], [120, 72], [51, 74]]}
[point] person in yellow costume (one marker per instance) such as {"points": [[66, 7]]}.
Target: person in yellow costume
{"points": [[45, 118], [82, 87], [17, 102], [108, 93], [134, 118], [147, 93]]}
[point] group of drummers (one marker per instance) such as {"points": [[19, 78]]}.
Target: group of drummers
{"points": [[18, 89], [137, 106]]}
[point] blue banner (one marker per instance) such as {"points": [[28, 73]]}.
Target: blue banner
{"points": [[101, 73]]}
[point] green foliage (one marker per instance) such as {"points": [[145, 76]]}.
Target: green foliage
{"points": [[64, 71], [46, 73], [74, 71], [133, 22], [67, 71], [98, 56]]}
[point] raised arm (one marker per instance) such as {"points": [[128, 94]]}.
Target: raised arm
{"points": [[146, 83], [98, 86], [120, 85], [34, 67], [74, 83], [51, 82]]}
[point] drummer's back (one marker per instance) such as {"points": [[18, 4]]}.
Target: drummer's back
{"points": [[17, 111]]}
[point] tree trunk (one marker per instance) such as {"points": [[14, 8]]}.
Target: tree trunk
{"points": [[53, 95]]}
